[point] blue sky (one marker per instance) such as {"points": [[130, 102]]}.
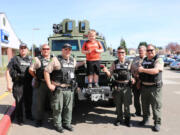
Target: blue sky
{"points": [[153, 21]]}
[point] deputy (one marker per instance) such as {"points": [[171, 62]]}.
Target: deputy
{"points": [[62, 77], [17, 70], [120, 70], [42, 91], [136, 87], [151, 78]]}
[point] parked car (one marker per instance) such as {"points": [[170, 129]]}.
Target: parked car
{"points": [[175, 64], [130, 57], [168, 61], [176, 57]]}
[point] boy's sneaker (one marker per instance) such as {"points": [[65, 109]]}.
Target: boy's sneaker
{"points": [[90, 85], [118, 122], [96, 85], [144, 122], [156, 128]]}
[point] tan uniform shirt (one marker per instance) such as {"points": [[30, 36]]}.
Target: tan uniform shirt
{"points": [[55, 65], [159, 64], [112, 68], [134, 70], [36, 63], [135, 65]]}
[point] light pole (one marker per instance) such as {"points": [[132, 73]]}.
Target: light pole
{"points": [[0, 50], [34, 29], [0, 53]]}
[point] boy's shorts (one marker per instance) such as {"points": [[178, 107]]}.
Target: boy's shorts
{"points": [[93, 67]]}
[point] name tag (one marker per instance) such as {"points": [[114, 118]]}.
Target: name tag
{"points": [[72, 75], [23, 63]]}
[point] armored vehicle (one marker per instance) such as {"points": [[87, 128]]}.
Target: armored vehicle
{"points": [[68, 32]]}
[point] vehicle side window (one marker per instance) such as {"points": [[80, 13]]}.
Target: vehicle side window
{"points": [[57, 44]]}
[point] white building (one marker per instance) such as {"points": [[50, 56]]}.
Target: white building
{"points": [[9, 42]]}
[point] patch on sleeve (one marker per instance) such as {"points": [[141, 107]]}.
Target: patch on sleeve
{"points": [[160, 60], [33, 60], [51, 60]]}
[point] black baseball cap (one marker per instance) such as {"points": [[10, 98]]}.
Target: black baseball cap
{"points": [[23, 45], [66, 46]]}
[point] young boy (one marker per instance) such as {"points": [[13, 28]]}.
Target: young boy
{"points": [[92, 48]]}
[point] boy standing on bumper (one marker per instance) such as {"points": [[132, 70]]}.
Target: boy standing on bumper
{"points": [[92, 48]]}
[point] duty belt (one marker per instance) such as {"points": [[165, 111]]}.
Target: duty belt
{"points": [[148, 83], [62, 85], [64, 88], [124, 83], [42, 80]]}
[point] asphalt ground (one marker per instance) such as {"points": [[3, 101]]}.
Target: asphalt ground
{"points": [[6, 98], [97, 118]]}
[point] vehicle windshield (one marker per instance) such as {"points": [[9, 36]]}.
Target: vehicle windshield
{"points": [[82, 42], [178, 60], [57, 44]]}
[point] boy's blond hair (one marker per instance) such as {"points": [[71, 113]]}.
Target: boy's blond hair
{"points": [[91, 31]]}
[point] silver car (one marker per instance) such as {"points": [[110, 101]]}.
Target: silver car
{"points": [[175, 64]]}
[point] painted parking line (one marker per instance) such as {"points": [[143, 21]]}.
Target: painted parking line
{"points": [[177, 92], [4, 95]]}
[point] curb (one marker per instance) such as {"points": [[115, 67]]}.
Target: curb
{"points": [[5, 122]]}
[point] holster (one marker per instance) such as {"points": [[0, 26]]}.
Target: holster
{"points": [[74, 85], [36, 83]]}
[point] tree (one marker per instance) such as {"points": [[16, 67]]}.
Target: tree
{"points": [[142, 43], [110, 49], [33, 46], [159, 47], [123, 44], [173, 47]]}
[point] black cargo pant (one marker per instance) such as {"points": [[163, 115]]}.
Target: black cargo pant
{"points": [[123, 96], [137, 104], [27, 92], [22, 92], [152, 95], [18, 96]]}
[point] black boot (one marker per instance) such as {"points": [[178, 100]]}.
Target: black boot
{"points": [[20, 121], [128, 122], [29, 117], [118, 122], [59, 129], [144, 122], [68, 127], [156, 128], [38, 123]]}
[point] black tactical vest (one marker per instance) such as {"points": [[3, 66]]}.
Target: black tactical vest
{"points": [[121, 72], [148, 64], [44, 63], [21, 65], [66, 73]]}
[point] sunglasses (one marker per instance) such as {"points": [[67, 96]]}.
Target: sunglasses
{"points": [[121, 52], [23, 47], [67, 49], [150, 50], [46, 49]]}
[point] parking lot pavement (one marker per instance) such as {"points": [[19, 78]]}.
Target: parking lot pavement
{"points": [[97, 119], [6, 99], [6, 109]]}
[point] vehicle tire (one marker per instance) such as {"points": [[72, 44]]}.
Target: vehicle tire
{"points": [[111, 102], [75, 101]]}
